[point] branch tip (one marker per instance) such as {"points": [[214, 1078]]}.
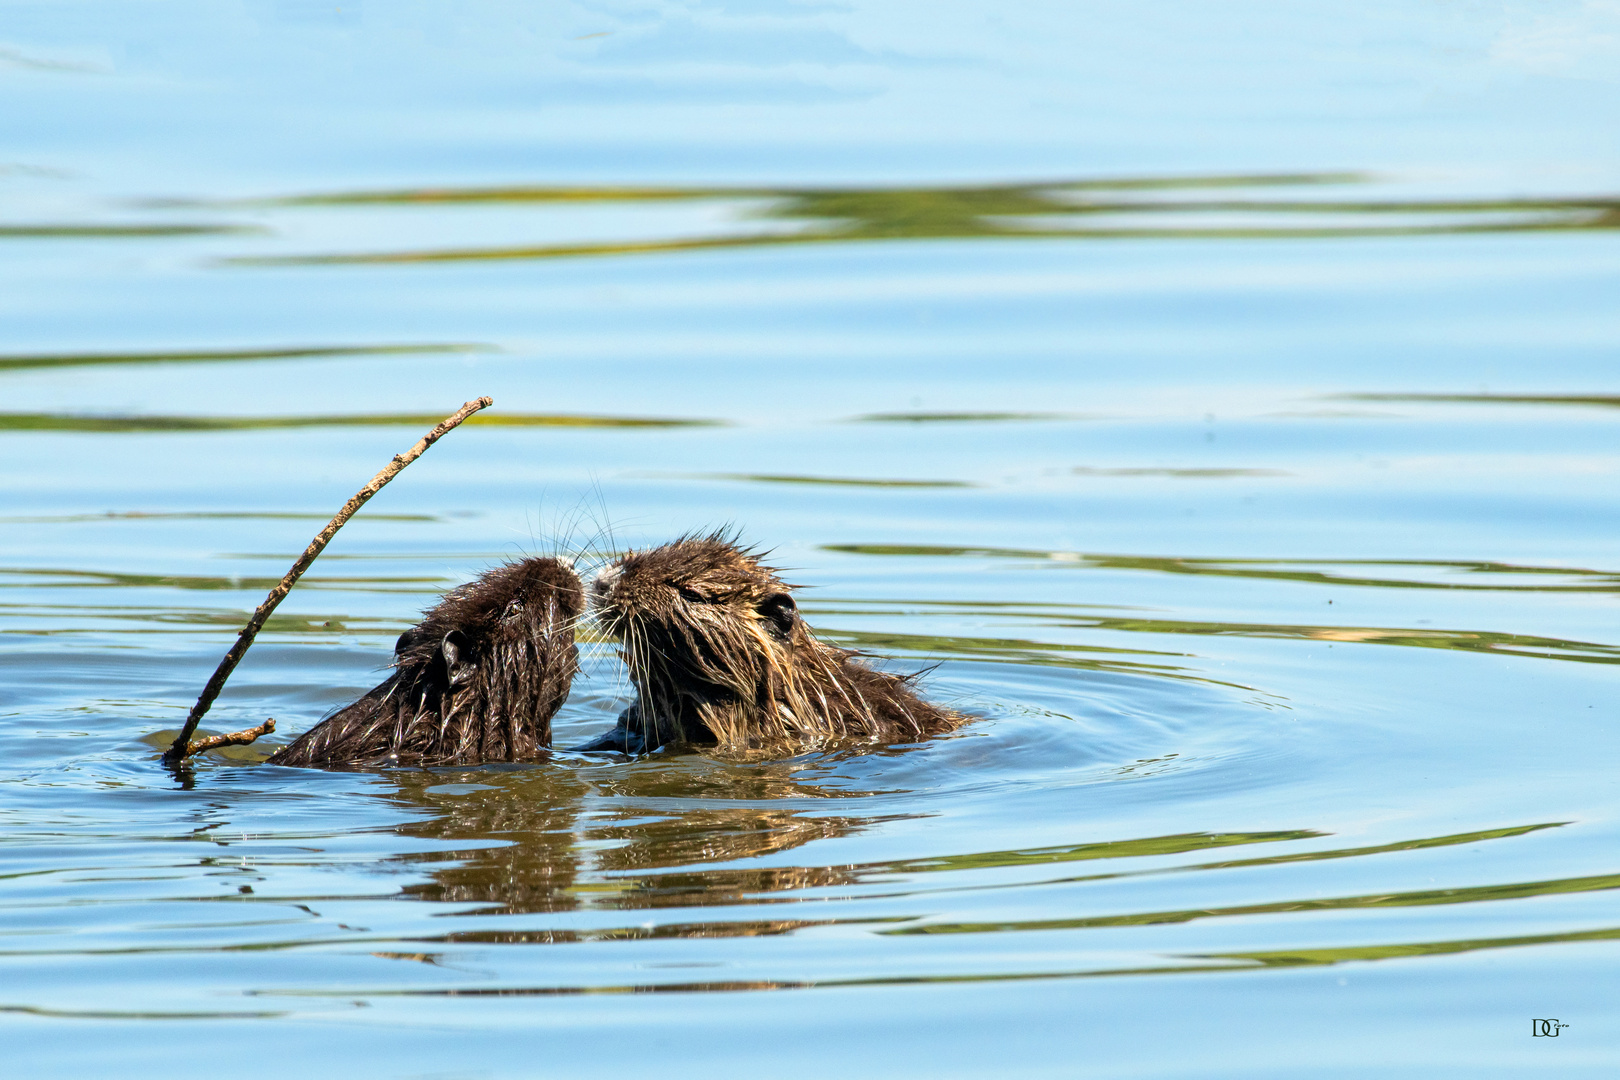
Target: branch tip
{"points": [[183, 747]]}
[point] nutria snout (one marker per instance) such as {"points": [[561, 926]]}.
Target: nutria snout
{"points": [[478, 679], [719, 656]]}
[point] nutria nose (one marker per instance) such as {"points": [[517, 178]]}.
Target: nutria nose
{"points": [[602, 583]]}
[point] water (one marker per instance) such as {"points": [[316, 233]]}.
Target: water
{"points": [[1224, 401]]}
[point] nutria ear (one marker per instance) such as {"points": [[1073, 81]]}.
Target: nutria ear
{"points": [[454, 648], [780, 611]]}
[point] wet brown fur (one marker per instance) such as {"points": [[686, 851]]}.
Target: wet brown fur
{"points": [[719, 656], [478, 679]]}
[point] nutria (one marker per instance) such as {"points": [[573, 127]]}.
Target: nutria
{"points": [[719, 657], [478, 679]]}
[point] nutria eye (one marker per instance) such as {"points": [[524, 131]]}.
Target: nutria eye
{"points": [[779, 610], [692, 596], [514, 608]]}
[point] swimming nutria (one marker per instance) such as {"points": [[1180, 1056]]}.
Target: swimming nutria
{"points": [[720, 657], [478, 679]]}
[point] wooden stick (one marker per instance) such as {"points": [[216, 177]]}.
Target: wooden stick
{"points": [[235, 738], [182, 747]]}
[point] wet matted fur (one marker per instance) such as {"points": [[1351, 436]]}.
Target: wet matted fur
{"points": [[478, 679], [720, 657]]}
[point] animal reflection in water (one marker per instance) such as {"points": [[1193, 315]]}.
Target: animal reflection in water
{"points": [[536, 842]]}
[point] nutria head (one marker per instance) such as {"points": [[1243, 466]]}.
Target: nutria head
{"points": [[699, 587], [478, 679], [719, 655]]}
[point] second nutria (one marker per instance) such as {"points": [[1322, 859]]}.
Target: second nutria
{"points": [[720, 657], [478, 679]]}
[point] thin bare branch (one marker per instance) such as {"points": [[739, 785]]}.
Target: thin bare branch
{"points": [[235, 738], [180, 750]]}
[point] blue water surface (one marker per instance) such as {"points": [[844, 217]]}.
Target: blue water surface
{"points": [[1220, 400]]}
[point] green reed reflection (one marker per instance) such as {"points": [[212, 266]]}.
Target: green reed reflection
{"points": [[1279, 860], [65, 422], [829, 481], [34, 577], [960, 417], [103, 232], [1581, 580], [136, 1014], [1182, 474], [1027, 651], [1377, 849], [1072, 209], [650, 874], [547, 194], [1167, 845], [1214, 963], [219, 356], [1606, 401], [1313, 957], [139, 620], [1115, 849], [1020, 651], [674, 885], [203, 515], [1422, 898]]}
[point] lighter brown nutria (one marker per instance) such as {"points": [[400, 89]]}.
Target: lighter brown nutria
{"points": [[478, 679], [719, 657]]}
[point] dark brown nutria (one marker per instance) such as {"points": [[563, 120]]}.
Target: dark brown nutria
{"points": [[720, 657], [478, 679]]}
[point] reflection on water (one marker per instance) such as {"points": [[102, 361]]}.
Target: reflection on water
{"points": [[1033, 652], [1597, 400], [199, 515], [503, 853], [1098, 209], [551, 856], [1196, 474], [544, 851], [59, 578], [58, 422], [1579, 580], [1514, 891], [834, 481], [216, 356], [1301, 957], [102, 232], [960, 417], [1149, 512]]}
